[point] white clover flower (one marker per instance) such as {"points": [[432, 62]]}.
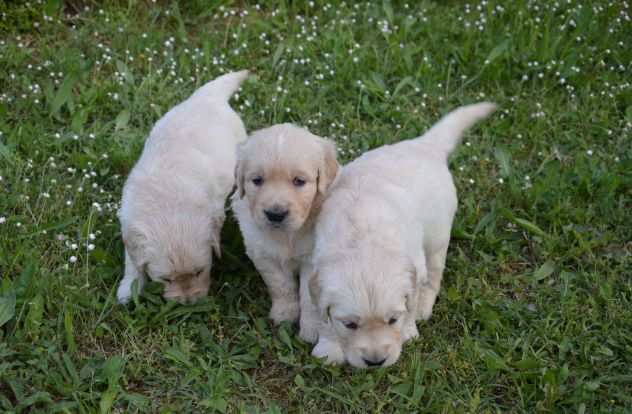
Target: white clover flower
{"points": [[589, 152], [3, 220], [90, 247], [73, 259]]}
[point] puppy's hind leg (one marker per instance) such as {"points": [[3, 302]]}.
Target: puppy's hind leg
{"points": [[429, 291], [124, 292]]}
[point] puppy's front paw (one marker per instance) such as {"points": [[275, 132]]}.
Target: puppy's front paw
{"points": [[410, 331], [331, 350], [308, 332], [124, 292], [309, 324], [284, 311], [424, 308]]}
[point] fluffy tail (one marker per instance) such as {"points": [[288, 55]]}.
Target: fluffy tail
{"points": [[446, 134], [223, 87]]}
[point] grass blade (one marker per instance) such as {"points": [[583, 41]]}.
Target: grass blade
{"points": [[70, 335], [122, 119], [544, 271], [7, 306], [64, 93]]}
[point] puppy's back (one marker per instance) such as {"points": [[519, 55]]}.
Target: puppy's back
{"points": [[405, 185], [189, 157], [204, 117]]}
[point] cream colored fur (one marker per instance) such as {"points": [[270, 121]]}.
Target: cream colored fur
{"points": [[285, 169], [380, 246], [173, 201]]}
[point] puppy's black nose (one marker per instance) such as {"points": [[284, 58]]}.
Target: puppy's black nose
{"points": [[370, 363], [276, 215]]}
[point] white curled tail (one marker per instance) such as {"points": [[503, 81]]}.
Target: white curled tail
{"points": [[223, 87], [446, 134]]}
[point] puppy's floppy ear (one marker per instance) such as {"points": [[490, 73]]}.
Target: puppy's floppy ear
{"points": [[329, 168], [315, 292], [239, 171]]}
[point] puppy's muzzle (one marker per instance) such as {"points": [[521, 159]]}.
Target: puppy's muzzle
{"points": [[276, 215], [374, 363]]}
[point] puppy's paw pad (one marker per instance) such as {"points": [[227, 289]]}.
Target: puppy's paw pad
{"points": [[284, 311], [330, 350]]}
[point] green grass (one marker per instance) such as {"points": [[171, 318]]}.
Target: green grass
{"points": [[535, 314]]}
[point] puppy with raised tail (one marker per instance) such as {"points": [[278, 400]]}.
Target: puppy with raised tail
{"points": [[283, 174], [173, 201], [381, 243]]}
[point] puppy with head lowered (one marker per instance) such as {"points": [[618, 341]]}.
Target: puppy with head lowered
{"points": [[380, 246], [283, 174], [173, 201]]}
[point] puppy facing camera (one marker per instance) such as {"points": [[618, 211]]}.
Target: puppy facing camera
{"points": [[172, 210], [283, 174], [381, 242]]}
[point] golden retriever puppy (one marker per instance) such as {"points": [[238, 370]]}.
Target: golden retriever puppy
{"points": [[380, 245], [173, 201], [283, 174]]}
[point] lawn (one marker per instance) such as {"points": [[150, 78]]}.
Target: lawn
{"points": [[535, 314]]}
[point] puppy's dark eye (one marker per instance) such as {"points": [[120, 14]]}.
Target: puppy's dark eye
{"points": [[392, 321], [258, 181], [351, 325], [298, 182]]}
